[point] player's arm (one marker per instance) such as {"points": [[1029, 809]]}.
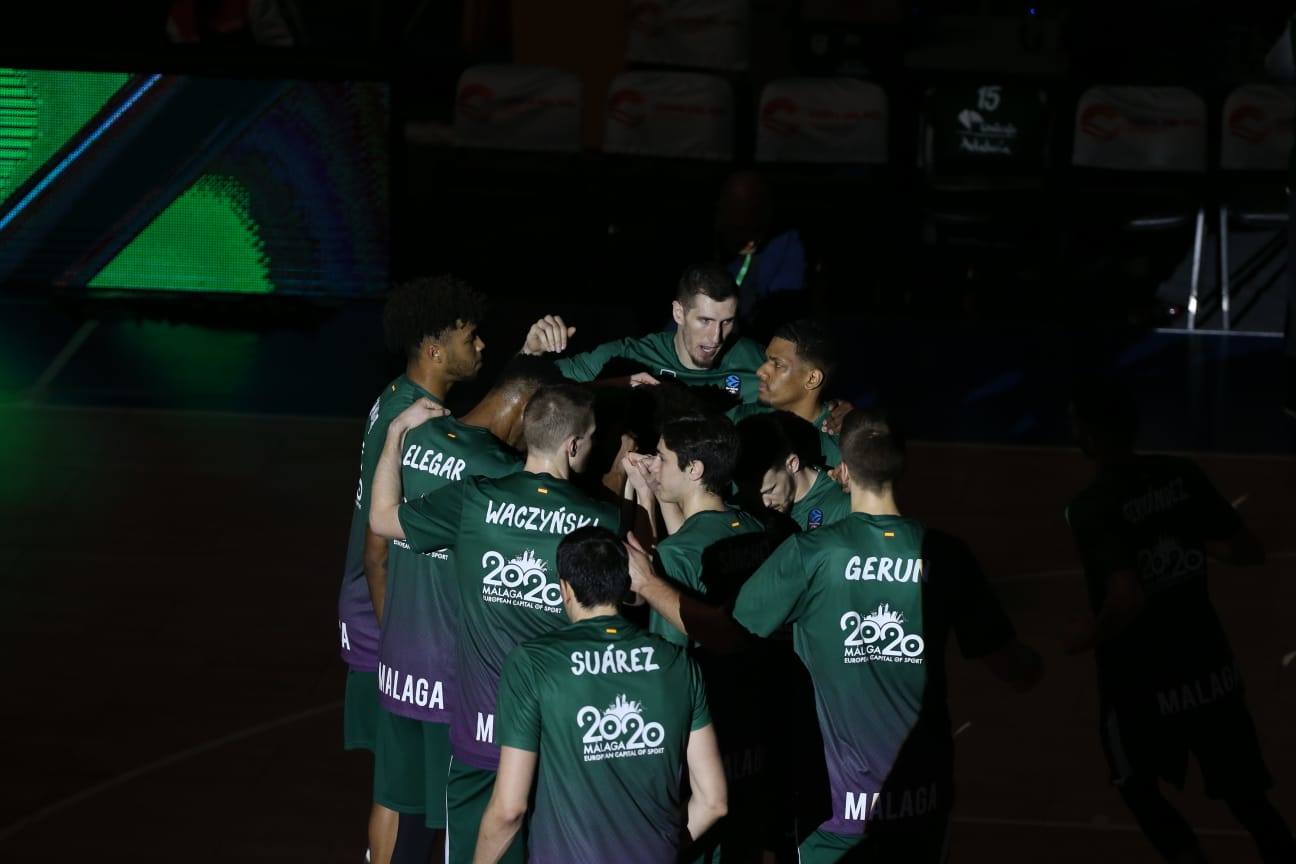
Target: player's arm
{"points": [[375, 569], [508, 804], [1122, 604], [1219, 524], [385, 494], [549, 335], [1107, 558], [587, 366], [983, 629], [694, 618], [708, 795]]}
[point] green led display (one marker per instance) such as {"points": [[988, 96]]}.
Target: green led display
{"points": [[40, 111], [206, 240]]}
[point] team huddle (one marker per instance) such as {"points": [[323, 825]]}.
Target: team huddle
{"points": [[656, 602]]}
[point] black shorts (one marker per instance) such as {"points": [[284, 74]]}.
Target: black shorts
{"points": [[1142, 743]]}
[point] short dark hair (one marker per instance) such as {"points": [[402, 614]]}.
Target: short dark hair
{"points": [[595, 564], [872, 449], [426, 308], [555, 412], [768, 439], [526, 373], [814, 344], [710, 280], [1107, 408], [713, 441]]}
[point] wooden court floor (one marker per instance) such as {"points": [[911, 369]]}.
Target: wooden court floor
{"points": [[172, 689]]}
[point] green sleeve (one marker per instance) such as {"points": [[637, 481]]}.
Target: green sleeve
{"points": [[370, 449], [776, 593], [502, 466], [518, 708], [831, 450], [656, 623], [676, 565], [587, 366], [432, 522], [697, 694]]}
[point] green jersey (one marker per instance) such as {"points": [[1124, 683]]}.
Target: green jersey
{"points": [[735, 370], [358, 629], [824, 503], [416, 661], [871, 600], [504, 534], [831, 451], [680, 556], [609, 708]]}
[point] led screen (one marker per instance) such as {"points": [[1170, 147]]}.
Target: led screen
{"points": [[158, 182]]}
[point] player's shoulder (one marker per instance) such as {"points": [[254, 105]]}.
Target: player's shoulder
{"points": [[745, 352]]}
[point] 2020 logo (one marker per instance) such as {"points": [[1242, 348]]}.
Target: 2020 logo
{"points": [[618, 731], [879, 637], [520, 581]]}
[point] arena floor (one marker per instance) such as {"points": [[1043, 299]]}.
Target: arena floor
{"points": [[173, 690]]}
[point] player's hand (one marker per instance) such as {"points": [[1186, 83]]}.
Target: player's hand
{"points": [[636, 470], [641, 569], [837, 474], [549, 335], [640, 379], [423, 410], [837, 411]]}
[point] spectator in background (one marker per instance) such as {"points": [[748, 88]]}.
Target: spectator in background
{"points": [[1281, 64], [768, 264]]}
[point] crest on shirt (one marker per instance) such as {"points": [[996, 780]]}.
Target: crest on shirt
{"points": [[732, 384], [815, 519], [671, 372]]}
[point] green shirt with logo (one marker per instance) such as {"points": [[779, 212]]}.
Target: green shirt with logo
{"points": [[871, 600], [680, 555], [824, 503], [609, 709], [504, 534], [417, 661], [735, 371]]}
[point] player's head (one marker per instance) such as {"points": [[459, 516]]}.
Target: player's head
{"points": [[593, 569], [517, 382], [434, 320], [800, 359], [776, 448], [872, 451], [705, 308], [692, 453], [1104, 417], [559, 421]]}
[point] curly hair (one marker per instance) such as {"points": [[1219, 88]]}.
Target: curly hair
{"points": [[426, 308]]}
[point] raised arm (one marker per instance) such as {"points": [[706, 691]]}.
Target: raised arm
{"points": [[710, 625], [549, 335], [385, 494]]}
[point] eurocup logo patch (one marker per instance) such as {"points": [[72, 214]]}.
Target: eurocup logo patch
{"points": [[815, 519], [732, 384]]}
